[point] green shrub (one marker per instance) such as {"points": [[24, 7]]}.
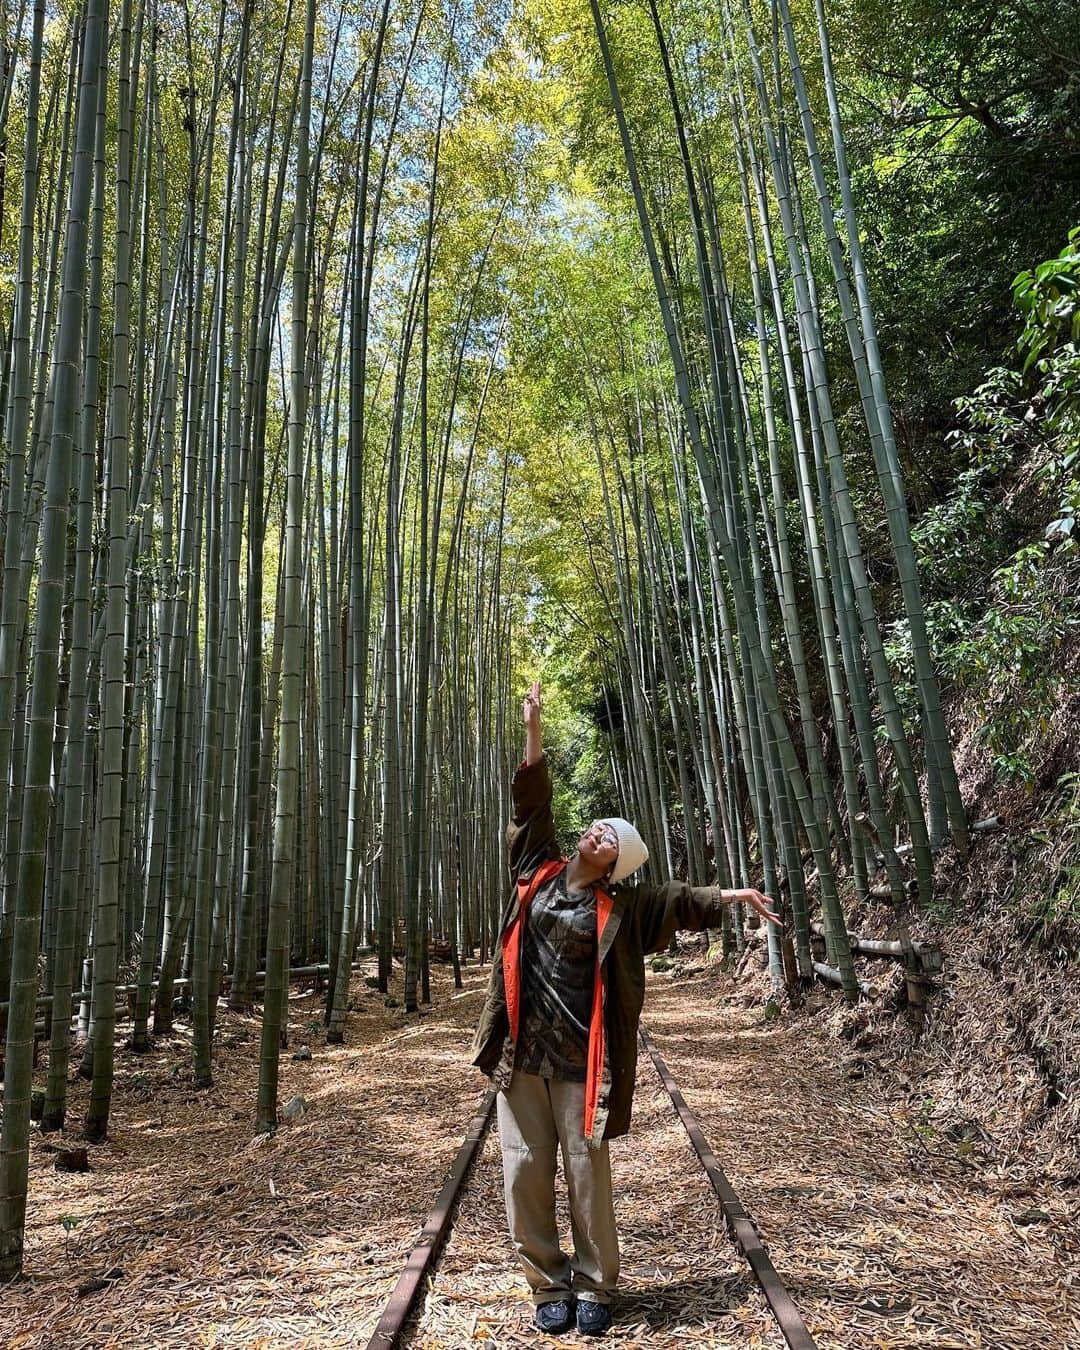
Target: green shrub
{"points": [[999, 554]]}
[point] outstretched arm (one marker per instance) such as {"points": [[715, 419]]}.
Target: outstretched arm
{"points": [[662, 911]]}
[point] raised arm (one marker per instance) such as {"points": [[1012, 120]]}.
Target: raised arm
{"points": [[530, 836], [530, 711]]}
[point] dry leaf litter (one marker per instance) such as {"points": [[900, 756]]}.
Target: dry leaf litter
{"points": [[887, 1232], [203, 1234]]}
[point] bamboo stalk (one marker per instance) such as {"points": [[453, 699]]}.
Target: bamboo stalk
{"points": [[14, 1139]]}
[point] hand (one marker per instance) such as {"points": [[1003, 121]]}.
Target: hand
{"points": [[757, 902], [530, 709]]}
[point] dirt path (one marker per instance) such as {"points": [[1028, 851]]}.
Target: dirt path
{"points": [[682, 1283], [884, 1237], [225, 1240]]}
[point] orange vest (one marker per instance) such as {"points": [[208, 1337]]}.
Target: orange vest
{"points": [[511, 964]]}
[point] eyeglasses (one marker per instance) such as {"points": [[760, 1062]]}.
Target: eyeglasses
{"points": [[606, 834]]}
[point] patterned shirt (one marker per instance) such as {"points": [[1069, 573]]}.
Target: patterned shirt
{"points": [[558, 968]]}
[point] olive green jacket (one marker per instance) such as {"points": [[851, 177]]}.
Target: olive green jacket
{"points": [[643, 919]]}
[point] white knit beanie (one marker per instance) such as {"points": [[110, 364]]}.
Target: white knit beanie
{"points": [[632, 851]]}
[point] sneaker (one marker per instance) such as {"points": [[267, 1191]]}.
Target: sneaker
{"points": [[555, 1316], [593, 1318]]}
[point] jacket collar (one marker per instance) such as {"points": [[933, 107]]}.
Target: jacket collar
{"points": [[607, 937]]}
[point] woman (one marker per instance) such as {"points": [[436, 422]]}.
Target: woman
{"points": [[558, 1032]]}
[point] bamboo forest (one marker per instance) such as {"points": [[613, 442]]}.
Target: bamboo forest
{"points": [[540, 567]]}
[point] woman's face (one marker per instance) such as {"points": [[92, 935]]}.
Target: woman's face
{"points": [[599, 846]]}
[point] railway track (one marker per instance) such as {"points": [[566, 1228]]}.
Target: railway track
{"points": [[421, 1261]]}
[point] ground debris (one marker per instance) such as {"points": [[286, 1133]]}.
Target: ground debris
{"points": [[210, 1254], [889, 1229], [72, 1160], [99, 1282], [233, 1239]]}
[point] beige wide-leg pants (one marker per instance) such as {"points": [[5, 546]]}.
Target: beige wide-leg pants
{"points": [[537, 1115]]}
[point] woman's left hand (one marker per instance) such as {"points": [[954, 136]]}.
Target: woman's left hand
{"points": [[757, 901]]}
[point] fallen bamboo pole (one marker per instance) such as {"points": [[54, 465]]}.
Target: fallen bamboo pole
{"points": [[986, 826], [929, 957], [833, 976], [885, 892], [122, 990]]}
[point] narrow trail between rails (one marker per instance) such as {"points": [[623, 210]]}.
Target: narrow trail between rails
{"points": [[878, 1242], [682, 1281], [204, 1236]]}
